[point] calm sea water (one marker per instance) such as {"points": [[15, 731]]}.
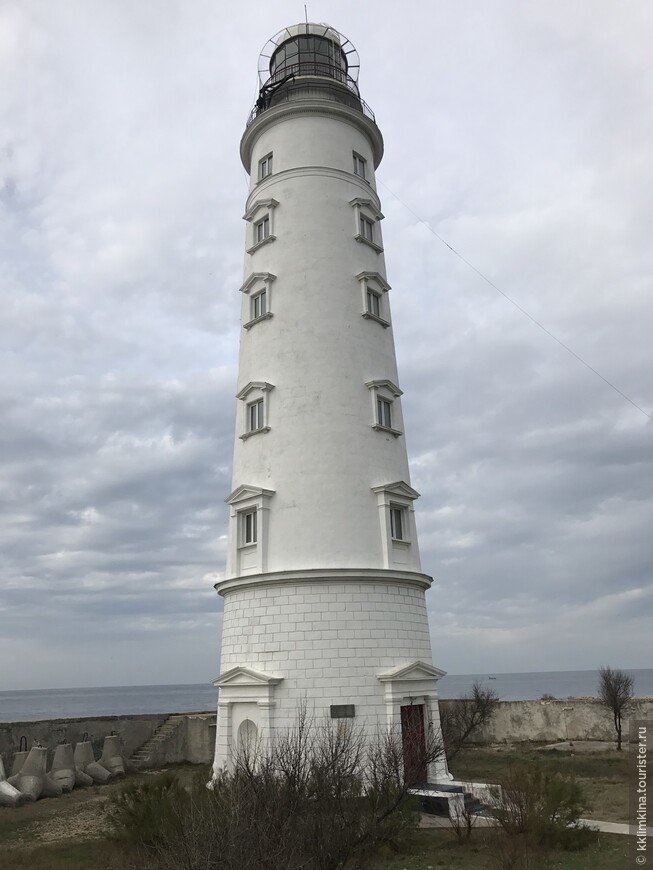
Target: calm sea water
{"points": [[30, 704]]}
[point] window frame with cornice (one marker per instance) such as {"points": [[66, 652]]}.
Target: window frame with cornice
{"points": [[258, 284], [249, 557], [397, 496], [374, 283], [367, 210], [254, 393], [261, 212], [386, 392]]}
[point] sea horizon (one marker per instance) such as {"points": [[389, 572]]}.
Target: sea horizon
{"points": [[22, 705], [448, 676]]}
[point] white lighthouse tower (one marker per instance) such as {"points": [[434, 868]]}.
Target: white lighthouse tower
{"points": [[324, 592]]}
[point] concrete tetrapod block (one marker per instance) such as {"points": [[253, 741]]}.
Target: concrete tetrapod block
{"points": [[111, 757], [98, 772], [85, 761], [83, 754], [63, 767], [9, 795], [31, 778], [51, 788], [82, 779], [19, 760]]}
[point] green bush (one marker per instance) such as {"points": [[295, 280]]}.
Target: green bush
{"points": [[542, 804], [143, 814], [576, 838]]}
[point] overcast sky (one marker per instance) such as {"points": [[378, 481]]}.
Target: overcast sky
{"points": [[521, 132]]}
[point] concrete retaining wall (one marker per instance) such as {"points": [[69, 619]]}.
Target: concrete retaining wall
{"points": [[193, 740], [556, 720], [133, 732], [200, 738]]}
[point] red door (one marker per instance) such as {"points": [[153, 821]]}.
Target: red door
{"points": [[413, 738]]}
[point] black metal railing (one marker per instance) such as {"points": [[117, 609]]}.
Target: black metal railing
{"points": [[310, 65], [303, 90]]}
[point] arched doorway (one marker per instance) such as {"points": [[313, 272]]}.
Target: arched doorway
{"points": [[247, 736]]}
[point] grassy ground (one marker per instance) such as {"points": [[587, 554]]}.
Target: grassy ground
{"points": [[70, 833], [425, 850], [604, 775], [431, 849], [89, 855]]}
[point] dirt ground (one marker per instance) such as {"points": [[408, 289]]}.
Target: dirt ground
{"points": [[79, 815]]}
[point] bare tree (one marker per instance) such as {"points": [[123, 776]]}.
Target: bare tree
{"points": [[460, 719], [616, 691]]}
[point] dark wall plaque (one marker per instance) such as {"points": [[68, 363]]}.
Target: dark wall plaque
{"points": [[343, 711]]}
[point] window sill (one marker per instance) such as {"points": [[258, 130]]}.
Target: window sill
{"points": [[373, 245], [379, 428], [251, 546], [250, 323], [247, 435], [399, 542], [260, 244], [384, 323]]}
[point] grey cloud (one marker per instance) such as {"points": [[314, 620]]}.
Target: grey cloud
{"points": [[520, 134]]}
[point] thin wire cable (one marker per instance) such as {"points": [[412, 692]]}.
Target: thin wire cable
{"points": [[518, 306]]}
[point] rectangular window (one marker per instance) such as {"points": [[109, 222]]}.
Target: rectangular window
{"points": [[373, 303], [265, 167], [259, 304], [262, 229], [255, 416], [397, 525], [367, 228], [384, 413], [359, 165], [249, 527]]}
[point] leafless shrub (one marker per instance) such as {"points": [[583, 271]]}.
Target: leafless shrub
{"points": [[514, 852], [462, 819], [462, 718], [319, 796]]}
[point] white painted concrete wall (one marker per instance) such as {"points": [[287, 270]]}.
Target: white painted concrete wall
{"points": [[321, 456]]}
